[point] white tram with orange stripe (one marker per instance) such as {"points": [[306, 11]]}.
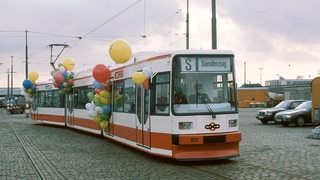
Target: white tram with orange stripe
{"points": [[171, 118]]}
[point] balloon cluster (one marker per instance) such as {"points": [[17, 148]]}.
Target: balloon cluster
{"points": [[63, 76], [142, 77], [29, 85], [99, 108]]}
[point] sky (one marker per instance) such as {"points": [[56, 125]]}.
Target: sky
{"points": [[270, 39]]}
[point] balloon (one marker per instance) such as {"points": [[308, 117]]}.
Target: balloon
{"points": [[70, 82], [147, 71], [92, 113], [98, 109], [97, 119], [90, 96], [138, 77], [88, 106], [104, 124], [33, 76], [104, 100], [120, 51], [58, 77], [145, 84], [97, 84], [101, 73], [97, 101], [106, 109], [27, 84], [68, 63], [104, 93], [104, 116]]}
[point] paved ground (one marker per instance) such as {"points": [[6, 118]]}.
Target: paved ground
{"points": [[36, 151]]}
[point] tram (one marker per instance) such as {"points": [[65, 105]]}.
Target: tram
{"points": [[171, 117]]}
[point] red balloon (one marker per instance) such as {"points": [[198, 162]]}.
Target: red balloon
{"points": [[101, 73], [58, 77]]}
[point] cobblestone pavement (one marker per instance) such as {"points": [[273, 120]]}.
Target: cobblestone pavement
{"points": [[37, 151]]}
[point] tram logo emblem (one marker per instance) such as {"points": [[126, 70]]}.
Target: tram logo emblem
{"points": [[212, 126]]}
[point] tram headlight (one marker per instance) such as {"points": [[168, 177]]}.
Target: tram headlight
{"points": [[233, 122], [185, 125]]}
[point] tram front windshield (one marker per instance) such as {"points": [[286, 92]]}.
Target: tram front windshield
{"points": [[203, 84]]}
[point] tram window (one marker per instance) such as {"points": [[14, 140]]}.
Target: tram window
{"points": [[57, 99], [80, 96], [124, 96], [118, 97], [50, 98], [130, 96], [161, 91]]}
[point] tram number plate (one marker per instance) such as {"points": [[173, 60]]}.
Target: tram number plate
{"points": [[191, 140]]}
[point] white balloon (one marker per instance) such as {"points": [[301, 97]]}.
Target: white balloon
{"points": [[88, 106], [98, 109], [62, 69], [147, 71], [92, 113]]}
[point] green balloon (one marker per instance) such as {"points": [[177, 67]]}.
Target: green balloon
{"points": [[104, 116], [90, 96], [97, 101]]}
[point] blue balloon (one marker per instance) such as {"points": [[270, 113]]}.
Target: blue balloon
{"points": [[27, 84], [97, 84], [65, 73], [106, 109]]}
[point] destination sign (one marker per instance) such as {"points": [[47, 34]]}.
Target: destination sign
{"points": [[205, 64]]}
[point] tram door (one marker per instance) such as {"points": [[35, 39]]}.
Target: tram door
{"points": [[69, 102], [143, 117]]}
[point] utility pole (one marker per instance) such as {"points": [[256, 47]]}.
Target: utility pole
{"points": [[8, 94], [27, 98], [26, 54], [214, 25], [245, 74], [187, 22], [12, 79], [260, 68]]}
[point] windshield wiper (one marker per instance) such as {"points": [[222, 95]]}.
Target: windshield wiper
{"points": [[208, 108]]}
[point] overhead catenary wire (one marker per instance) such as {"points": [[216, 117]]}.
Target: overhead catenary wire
{"points": [[111, 18]]}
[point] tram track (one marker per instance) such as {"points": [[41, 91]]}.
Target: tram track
{"points": [[42, 166]]}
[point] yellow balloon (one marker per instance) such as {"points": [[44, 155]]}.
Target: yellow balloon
{"points": [[104, 93], [120, 51], [33, 76], [138, 77], [104, 100], [97, 119], [68, 63], [104, 124]]}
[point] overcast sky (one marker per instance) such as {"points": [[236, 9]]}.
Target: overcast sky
{"points": [[274, 37]]}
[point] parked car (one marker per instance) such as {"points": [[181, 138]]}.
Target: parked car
{"points": [[299, 115], [266, 115]]}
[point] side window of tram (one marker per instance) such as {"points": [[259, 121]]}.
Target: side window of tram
{"points": [[124, 96], [161, 105]]}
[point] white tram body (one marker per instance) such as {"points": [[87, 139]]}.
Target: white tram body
{"points": [[156, 119]]}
